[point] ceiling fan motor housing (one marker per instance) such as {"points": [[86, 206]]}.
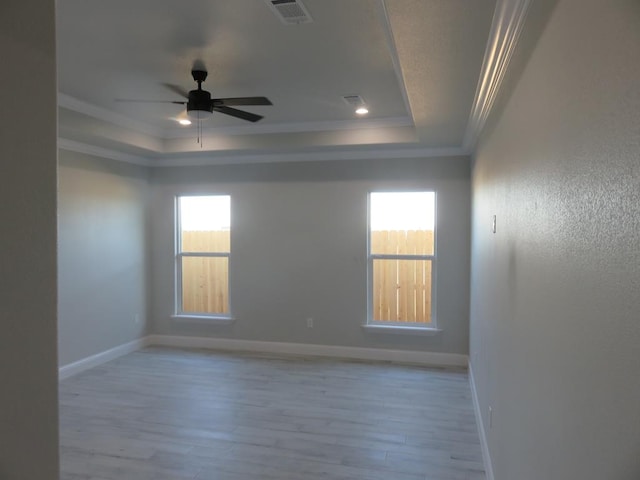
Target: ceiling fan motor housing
{"points": [[199, 104]]}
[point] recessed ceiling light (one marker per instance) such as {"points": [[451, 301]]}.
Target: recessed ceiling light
{"points": [[362, 111], [184, 121]]}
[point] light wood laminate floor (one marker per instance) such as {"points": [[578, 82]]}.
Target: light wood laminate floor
{"points": [[186, 414]]}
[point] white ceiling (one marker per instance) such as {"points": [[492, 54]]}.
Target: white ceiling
{"points": [[417, 64]]}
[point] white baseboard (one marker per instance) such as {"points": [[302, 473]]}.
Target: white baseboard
{"points": [[74, 368], [486, 457], [402, 356]]}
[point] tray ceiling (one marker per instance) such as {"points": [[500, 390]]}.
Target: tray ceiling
{"points": [[416, 63]]}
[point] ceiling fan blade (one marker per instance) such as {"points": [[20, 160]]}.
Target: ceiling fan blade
{"points": [[176, 89], [128, 100], [251, 117], [242, 101]]}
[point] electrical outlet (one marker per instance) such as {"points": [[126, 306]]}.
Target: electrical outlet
{"points": [[136, 318], [309, 322]]}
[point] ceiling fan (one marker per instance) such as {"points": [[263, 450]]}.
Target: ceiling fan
{"points": [[200, 105]]}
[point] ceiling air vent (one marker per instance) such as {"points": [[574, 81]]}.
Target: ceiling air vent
{"points": [[353, 100], [290, 12]]}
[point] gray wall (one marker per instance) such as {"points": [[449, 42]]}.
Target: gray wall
{"points": [[299, 249], [28, 367], [101, 254], [555, 303]]}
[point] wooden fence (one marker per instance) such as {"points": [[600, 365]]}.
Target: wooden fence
{"points": [[401, 288], [205, 280]]}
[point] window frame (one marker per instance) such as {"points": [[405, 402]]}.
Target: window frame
{"points": [[179, 312], [402, 327]]}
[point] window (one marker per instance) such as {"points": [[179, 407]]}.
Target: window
{"points": [[401, 259], [202, 257]]}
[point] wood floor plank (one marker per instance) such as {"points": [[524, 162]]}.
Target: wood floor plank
{"points": [[164, 413]]}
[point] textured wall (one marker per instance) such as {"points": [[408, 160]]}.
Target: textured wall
{"points": [[298, 249], [28, 366], [555, 298], [101, 255]]}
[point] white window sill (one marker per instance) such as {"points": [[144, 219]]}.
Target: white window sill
{"points": [[203, 318], [401, 329]]}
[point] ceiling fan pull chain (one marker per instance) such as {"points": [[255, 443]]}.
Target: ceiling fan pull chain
{"points": [[200, 140]]}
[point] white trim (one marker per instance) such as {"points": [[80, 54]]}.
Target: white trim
{"points": [[79, 147], [75, 105], [227, 344], [401, 329], [379, 354], [486, 457], [208, 319], [508, 21], [74, 368], [70, 103], [211, 158], [299, 127]]}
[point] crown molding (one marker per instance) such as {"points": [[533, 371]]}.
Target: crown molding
{"points": [[508, 21], [73, 146], [73, 104], [299, 127], [333, 155], [210, 158]]}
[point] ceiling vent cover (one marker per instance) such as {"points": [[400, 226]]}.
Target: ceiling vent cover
{"points": [[290, 12], [353, 100]]}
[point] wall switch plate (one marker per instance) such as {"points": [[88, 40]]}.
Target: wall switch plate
{"points": [[309, 322], [490, 417]]}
